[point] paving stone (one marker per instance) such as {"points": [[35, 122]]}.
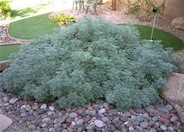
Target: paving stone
{"points": [[5, 122]]}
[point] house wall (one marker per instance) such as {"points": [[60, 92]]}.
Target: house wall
{"points": [[173, 8]]}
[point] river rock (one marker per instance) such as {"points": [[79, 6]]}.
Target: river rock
{"points": [[43, 106], [144, 124], [101, 111], [163, 127], [174, 118], [73, 115], [140, 118], [13, 100], [98, 123]]}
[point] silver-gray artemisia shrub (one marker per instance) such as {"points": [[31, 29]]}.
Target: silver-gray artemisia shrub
{"points": [[87, 61]]}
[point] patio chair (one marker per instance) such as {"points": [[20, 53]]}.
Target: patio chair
{"points": [[92, 3], [76, 3]]}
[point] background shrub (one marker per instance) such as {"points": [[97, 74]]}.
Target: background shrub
{"points": [[63, 19], [5, 9], [143, 9], [87, 61]]}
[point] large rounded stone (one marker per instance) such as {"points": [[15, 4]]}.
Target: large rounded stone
{"points": [[175, 88], [178, 23]]}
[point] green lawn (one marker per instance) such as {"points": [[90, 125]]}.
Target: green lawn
{"points": [[6, 50], [32, 27], [168, 40]]}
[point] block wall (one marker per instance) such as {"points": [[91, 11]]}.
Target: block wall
{"points": [[173, 8]]}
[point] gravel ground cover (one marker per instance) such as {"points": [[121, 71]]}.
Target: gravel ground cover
{"points": [[98, 116]]}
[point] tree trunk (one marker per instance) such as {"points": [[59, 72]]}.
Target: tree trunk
{"points": [[114, 5]]}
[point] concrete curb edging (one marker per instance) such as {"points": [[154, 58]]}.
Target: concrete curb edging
{"points": [[3, 65], [181, 118]]}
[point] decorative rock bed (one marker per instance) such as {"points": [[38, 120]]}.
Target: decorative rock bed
{"points": [[99, 116], [6, 39]]}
